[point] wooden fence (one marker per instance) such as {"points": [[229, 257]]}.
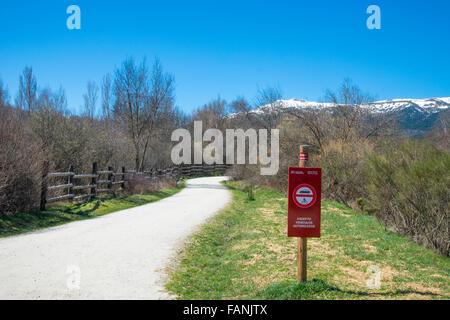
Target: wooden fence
{"points": [[99, 182]]}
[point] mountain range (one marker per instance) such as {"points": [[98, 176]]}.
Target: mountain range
{"points": [[414, 115]]}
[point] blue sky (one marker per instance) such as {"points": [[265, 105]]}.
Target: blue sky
{"points": [[231, 48]]}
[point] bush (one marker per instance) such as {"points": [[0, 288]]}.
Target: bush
{"points": [[141, 183], [343, 170], [20, 160], [408, 188]]}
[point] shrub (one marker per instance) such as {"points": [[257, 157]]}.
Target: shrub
{"points": [[141, 183], [20, 160], [408, 188], [343, 170]]}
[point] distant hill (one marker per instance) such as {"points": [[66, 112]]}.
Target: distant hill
{"points": [[414, 115]]}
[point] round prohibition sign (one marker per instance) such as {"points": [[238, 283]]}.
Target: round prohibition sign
{"points": [[304, 196]]}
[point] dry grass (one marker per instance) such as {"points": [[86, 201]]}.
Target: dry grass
{"points": [[244, 253]]}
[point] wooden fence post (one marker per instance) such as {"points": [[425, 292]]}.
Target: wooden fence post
{"points": [[123, 179], [70, 181], [94, 181], [110, 178], [45, 168], [302, 242]]}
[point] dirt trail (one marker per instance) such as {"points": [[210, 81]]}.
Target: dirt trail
{"points": [[117, 256]]}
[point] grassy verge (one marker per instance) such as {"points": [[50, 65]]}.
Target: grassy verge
{"points": [[243, 253], [60, 214]]}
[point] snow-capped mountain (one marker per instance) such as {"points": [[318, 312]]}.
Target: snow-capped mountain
{"points": [[425, 105], [432, 105], [412, 114]]}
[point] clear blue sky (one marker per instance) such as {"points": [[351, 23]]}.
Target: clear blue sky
{"points": [[231, 47]]}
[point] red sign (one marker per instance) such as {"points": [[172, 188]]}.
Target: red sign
{"points": [[304, 196], [304, 202]]}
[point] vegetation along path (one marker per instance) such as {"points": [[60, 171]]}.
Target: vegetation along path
{"points": [[115, 256], [243, 253]]}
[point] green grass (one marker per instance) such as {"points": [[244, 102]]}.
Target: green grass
{"points": [[60, 214], [243, 253]]}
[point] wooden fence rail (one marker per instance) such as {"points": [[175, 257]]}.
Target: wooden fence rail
{"points": [[108, 182]]}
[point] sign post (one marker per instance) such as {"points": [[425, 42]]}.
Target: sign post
{"points": [[304, 196], [302, 247]]}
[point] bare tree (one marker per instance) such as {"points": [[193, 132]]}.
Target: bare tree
{"points": [[106, 96], [440, 131], [348, 94], [4, 96], [348, 114], [45, 117], [90, 99], [212, 114], [240, 105], [348, 120], [268, 96], [316, 123], [141, 99], [352, 119], [240, 114], [268, 100], [60, 101], [161, 107], [26, 97]]}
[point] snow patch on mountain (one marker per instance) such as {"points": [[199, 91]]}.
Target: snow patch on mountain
{"points": [[431, 105]]}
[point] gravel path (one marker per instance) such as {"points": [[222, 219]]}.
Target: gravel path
{"points": [[117, 256]]}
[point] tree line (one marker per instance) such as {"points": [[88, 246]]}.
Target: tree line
{"points": [[367, 161]]}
